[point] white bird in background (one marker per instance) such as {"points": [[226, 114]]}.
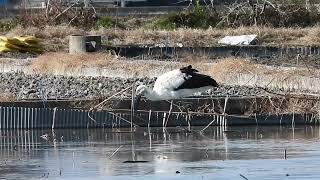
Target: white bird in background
{"points": [[177, 84]]}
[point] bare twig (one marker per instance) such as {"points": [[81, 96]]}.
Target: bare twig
{"points": [[132, 105], [169, 113], [285, 153], [244, 177], [104, 101], [115, 152], [65, 10], [214, 119]]}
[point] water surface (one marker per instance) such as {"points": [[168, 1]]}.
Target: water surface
{"points": [[271, 152]]}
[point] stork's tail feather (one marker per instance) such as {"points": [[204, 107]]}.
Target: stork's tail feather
{"points": [[214, 83]]}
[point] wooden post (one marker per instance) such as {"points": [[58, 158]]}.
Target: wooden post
{"points": [[77, 44]]}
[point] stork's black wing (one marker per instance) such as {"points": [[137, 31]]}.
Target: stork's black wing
{"points": [[188, 70], [194, 80]]}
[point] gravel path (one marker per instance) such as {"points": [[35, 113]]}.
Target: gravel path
{"points": [[39, 86]]}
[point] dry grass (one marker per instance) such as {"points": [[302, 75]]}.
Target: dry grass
{"points": [[234, 66], [56, 37], [7, 97], [47, 32], [211, 36], [230, 66], [60, 62]]}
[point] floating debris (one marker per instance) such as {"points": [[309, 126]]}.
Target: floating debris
{"points": [[239, 40], [135, 161], [244, 177], [45, 137]]}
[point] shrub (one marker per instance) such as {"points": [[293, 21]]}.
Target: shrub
{"points": [[198, 17], [243, 14], [7, 25], [285, 15], [105, 22], [57, 15]]}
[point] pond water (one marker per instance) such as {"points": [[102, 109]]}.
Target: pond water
{"points": [[271, 152]]}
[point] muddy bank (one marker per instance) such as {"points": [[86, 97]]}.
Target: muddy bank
{"points": [[39, 86]]}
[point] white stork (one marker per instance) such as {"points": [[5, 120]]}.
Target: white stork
{"points": [[177, 84]]}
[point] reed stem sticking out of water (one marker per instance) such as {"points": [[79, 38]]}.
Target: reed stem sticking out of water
{"points": [[244, 177], [132, 105], [169, 113], [115, 152], [106, 100], [285, 153]]}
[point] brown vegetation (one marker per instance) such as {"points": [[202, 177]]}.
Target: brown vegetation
{"points": [[60, 62], [211, 36], [231, 66], [7, 97], [56, 37]]}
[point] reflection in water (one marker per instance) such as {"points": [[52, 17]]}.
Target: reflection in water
{"points": [[72, 153]]}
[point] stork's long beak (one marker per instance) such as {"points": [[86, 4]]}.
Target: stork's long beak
{"points": [[136, 103]]}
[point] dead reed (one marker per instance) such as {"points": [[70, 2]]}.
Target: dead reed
{"points": [[234, 66], [56, 37], [211, 36], [59, 63], [7, 97]]}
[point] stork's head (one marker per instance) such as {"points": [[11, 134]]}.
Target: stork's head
{"points": [[141, 90]]}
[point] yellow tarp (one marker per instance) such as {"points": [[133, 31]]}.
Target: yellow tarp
{"points": [[20, 44]]}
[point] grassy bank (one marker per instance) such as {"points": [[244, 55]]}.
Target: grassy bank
{"points": [[52, 63], [275, 24], [55, 38]]}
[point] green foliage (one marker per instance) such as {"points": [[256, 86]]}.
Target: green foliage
{"points": [[105, 22], [168, 22], [198, 17], [7, 25]]}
